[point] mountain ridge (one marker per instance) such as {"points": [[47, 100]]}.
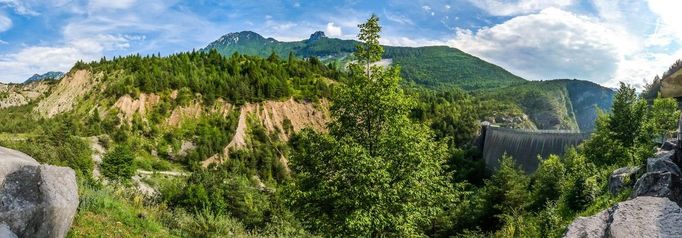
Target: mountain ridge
{"points": [[569, 106]]}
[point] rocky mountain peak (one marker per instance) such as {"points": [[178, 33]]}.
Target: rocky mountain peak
{"points": [[317, 36], [238, 37], [52, 75]]}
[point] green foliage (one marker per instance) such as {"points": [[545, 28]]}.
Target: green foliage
{"points": [[663, 117], [369, 50], [47, 141], [377, 173], [115, 212], [237, 79], [432, 66], [555, 104], [621, 137], [118, 165], [546, 183], [210, 135], [506, 192]]}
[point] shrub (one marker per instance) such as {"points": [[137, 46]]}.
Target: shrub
{"points": [[118, 164]]}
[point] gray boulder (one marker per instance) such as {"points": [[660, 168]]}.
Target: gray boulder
{"points": [[35, 200], [622, 178], [662, 164], [639, 217], [659, 184], [588, 227], [668, 145]]}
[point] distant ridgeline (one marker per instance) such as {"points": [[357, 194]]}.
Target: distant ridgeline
{"points": [[430, 65], [524, 145]]}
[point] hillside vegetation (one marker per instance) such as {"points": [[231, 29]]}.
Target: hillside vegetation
{"points": [[431, 66], [564, 104], [557, 104], [222, 144]]}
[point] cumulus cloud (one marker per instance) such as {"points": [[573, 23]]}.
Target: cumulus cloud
{"points": [[333, 30], [517, 7], [17, 66], [551, 44], [5, 23]]}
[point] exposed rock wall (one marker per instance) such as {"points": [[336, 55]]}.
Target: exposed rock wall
{"points": [[12, 95], [276, 116], [35, 200], [65, 94]]}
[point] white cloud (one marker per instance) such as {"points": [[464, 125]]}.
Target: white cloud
{"points": [[550, 44], [398, 18], [410, 42], [20, 7], [16, 67], [669, 17], [5, 23], [111, 4], [625, 41], [333, 30], [518, 7]]}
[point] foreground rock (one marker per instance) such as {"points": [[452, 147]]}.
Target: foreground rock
{"points": [[622, 178], [639, 217], [653, 210], [35, 200], [662, 179]]}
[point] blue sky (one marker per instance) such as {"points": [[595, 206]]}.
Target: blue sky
{"points": [[604, 41]]}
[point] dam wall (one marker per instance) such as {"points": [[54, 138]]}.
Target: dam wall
{"points": [[524, 146]]}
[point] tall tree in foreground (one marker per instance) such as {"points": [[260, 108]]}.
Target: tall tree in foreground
{"points": [[376, 174]]}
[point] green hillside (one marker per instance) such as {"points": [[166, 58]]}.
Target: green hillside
{"points": [[432, 66], [563, 104]]}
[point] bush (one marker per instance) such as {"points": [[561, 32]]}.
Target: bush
{"points": [[118, 164]]}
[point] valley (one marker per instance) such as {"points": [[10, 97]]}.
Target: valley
{"points": [[325, 137]]}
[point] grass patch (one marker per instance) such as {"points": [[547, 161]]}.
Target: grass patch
{"points": [[106, 212]]}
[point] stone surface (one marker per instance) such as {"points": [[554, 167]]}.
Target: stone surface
{"points": [[659, 184], [622, 178], [639, 217], [36, 200], [662, 164], [5, 232], [647, 217], [588, 227], [668, 145]]}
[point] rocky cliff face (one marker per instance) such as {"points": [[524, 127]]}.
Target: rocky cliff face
{"points": [[35, 200], [21, 94], [653, 210]]}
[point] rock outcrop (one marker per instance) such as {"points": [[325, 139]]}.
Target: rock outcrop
{"points": [[662, 179], [639, 217], [35, 200], [622, 178], [653, 210]]}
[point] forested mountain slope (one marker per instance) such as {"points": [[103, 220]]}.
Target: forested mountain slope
{"points": [[564, 104], [433, 65]]}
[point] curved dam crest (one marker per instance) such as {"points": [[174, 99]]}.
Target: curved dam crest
{"points": [[524, 146]]}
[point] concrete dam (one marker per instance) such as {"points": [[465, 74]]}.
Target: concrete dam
{"points": [[524, 146]]}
